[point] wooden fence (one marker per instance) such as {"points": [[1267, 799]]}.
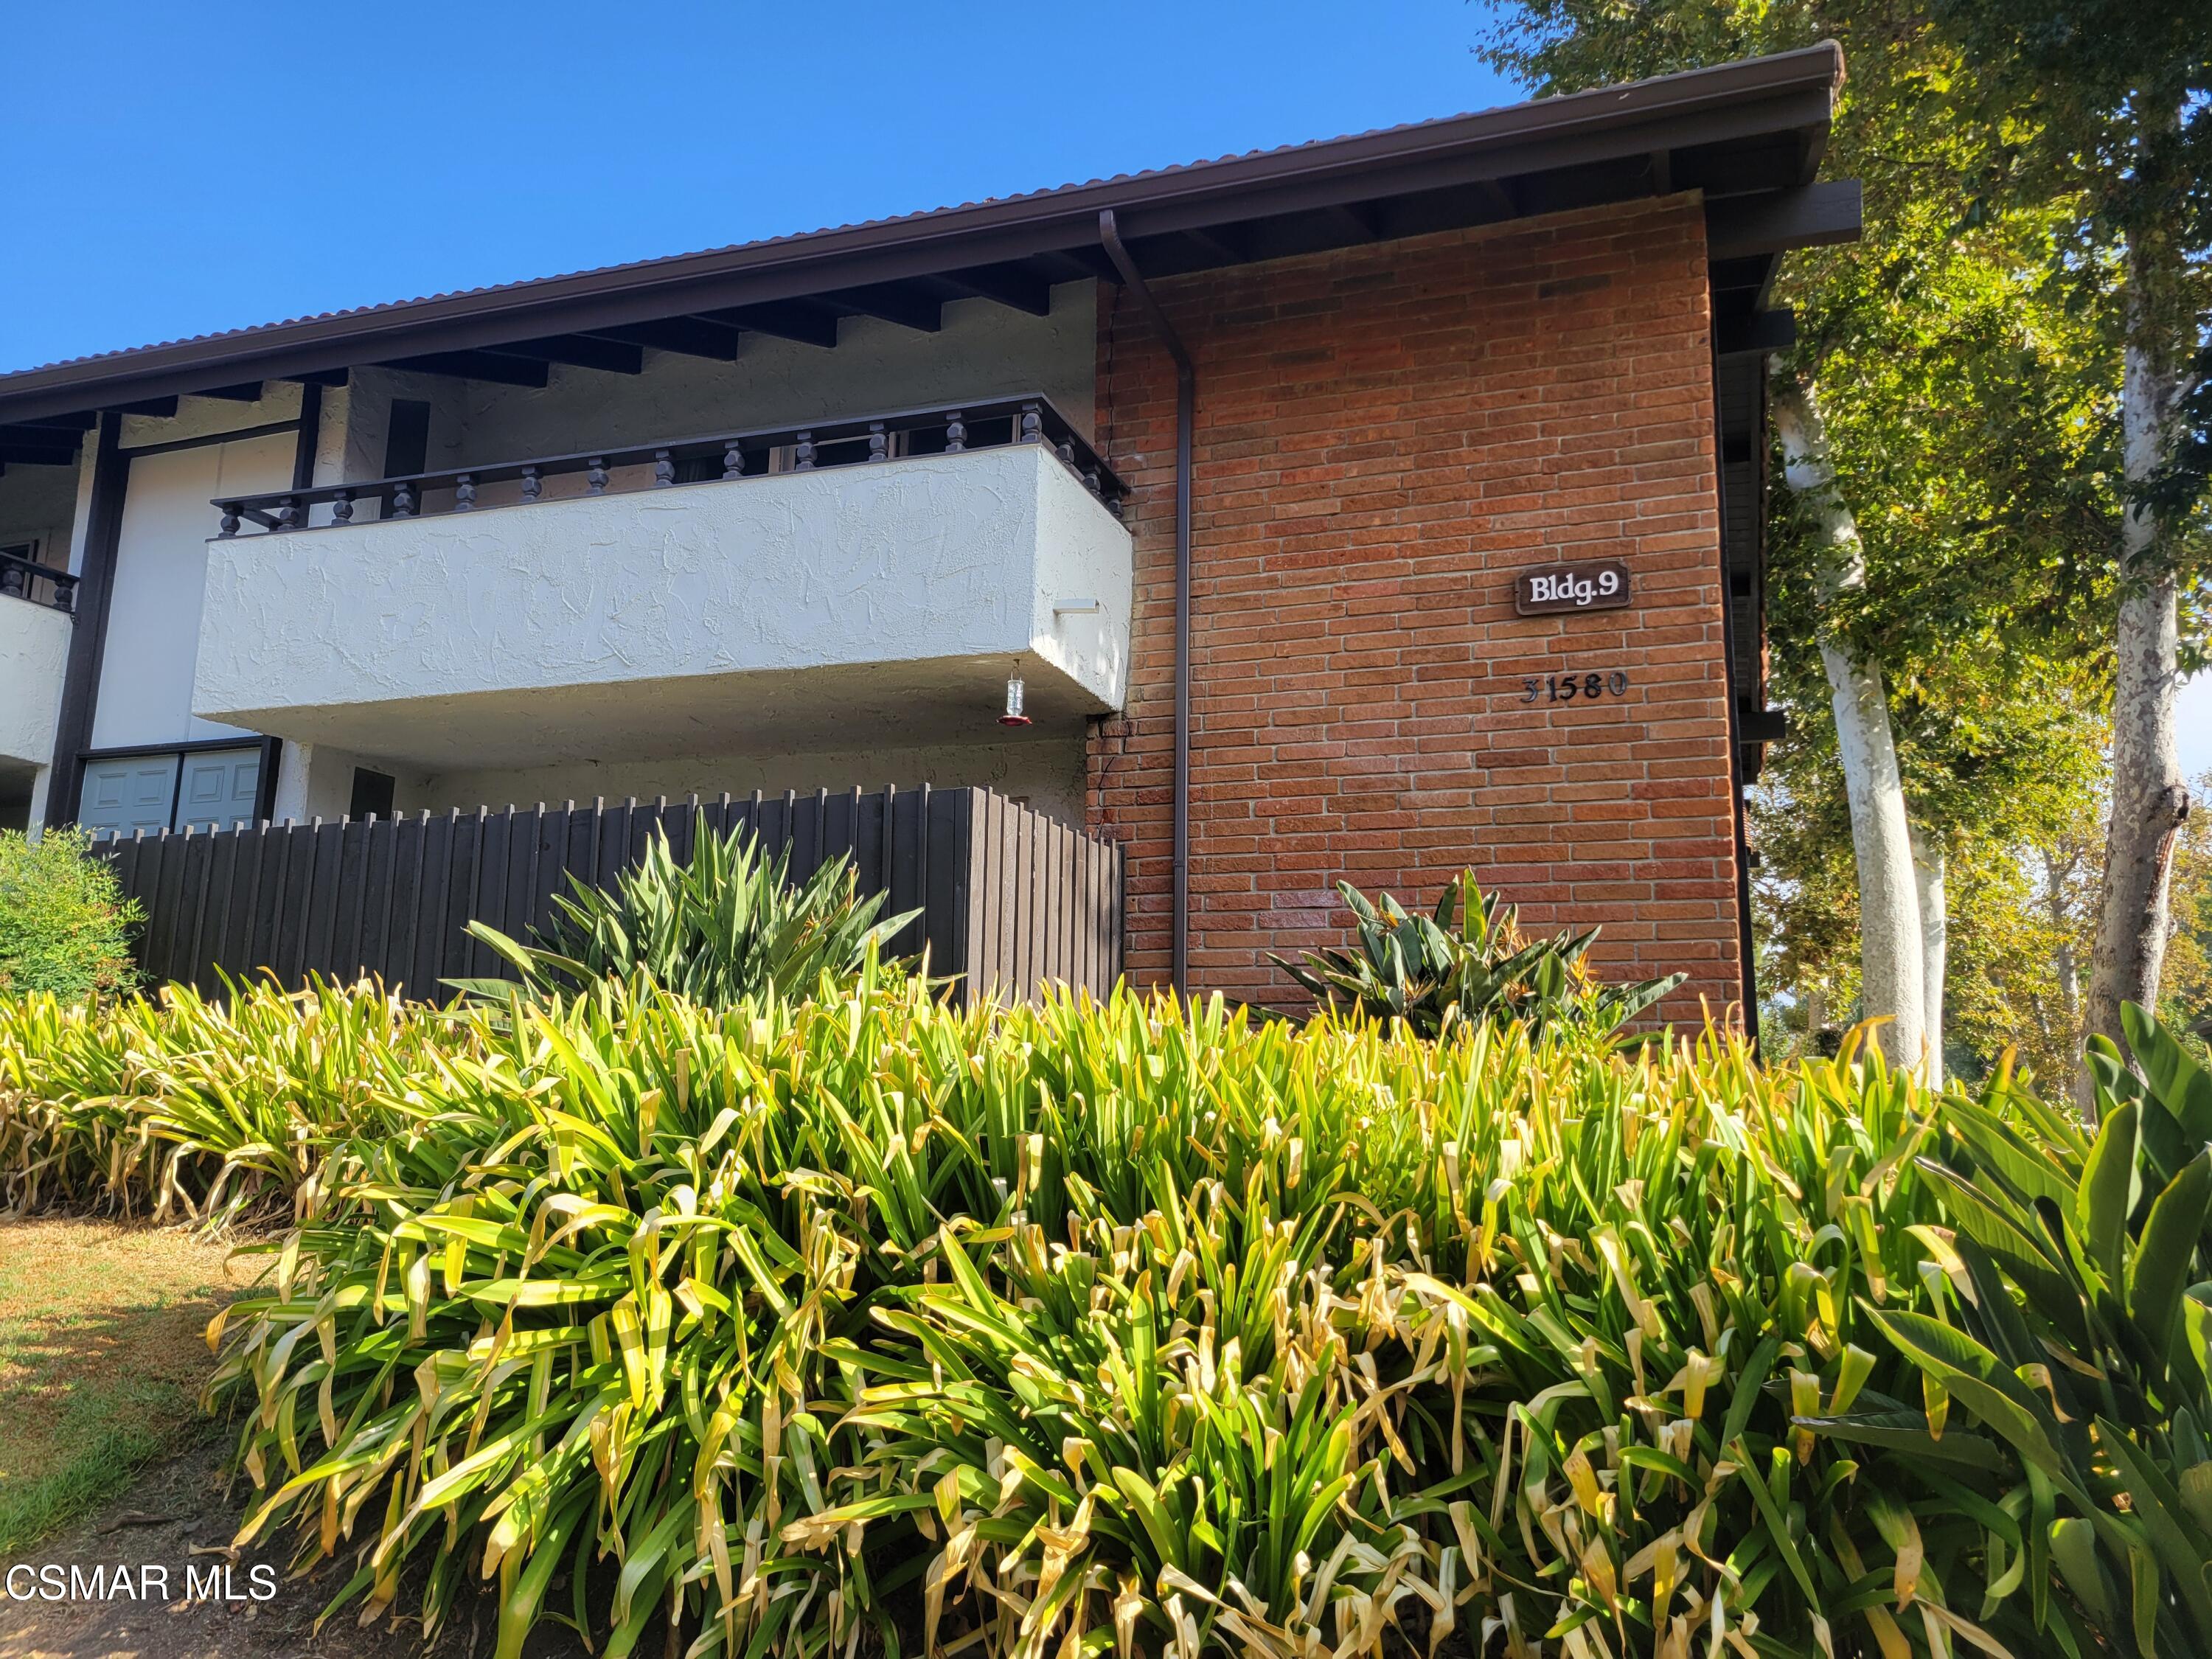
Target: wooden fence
{"points": [[1008, 898]]}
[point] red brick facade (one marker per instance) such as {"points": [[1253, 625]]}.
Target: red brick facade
{"points": [[1386, 436]]}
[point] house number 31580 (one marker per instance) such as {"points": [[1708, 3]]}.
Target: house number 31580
{"points": [[1567, 688]]}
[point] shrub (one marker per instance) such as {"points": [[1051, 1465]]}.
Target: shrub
{"points": [[867, 1322], [1138, 1321], [2074, 1334], [1469, 963], [724, 927], [65, 925]]}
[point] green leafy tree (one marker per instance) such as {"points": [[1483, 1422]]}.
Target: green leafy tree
{"points": [[1949, 449], [2105, 109], [65, 925]]}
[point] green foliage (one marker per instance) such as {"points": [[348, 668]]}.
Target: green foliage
{"points": [[724, 927], [187, 1109], [1468, 964], [65, 925], [1137, 1326], [2074, 1336]]}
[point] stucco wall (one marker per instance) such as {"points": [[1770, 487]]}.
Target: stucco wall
{"points": [[35, 640], [933, 558], [161, 561]]}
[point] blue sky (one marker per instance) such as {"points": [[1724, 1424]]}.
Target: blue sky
{"points": [[195, 167], [200, 166]]}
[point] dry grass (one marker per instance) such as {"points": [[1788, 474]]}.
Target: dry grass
{"points": [[101, 1360]]}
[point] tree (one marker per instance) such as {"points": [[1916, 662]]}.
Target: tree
{"points": [[1940, 541], [2106, 105]]}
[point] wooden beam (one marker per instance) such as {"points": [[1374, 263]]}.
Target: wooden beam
{"points": [[1217, 243], [475, 365], [694, 336], [578, 350], [63, 422], [1363, 220], [29, 455], [892, 302], [111, 471], [317, 377], [1761, 332], [42, 437], [1016, 289], [787, 320], [247, 392], [1817, 216]]}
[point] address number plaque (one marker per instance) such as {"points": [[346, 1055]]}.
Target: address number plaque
{"points": [[1552, 589]]}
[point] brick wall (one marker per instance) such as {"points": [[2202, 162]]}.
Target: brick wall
{"points": [[1386, 435]]}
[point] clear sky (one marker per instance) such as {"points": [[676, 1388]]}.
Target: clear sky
{"points": [[188, 167], [192, 167]]}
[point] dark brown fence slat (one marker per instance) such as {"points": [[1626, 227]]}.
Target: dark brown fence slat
{"points": [[1005, 897]]}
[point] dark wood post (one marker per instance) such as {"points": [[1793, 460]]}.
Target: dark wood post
{"points": [[103, 529]]}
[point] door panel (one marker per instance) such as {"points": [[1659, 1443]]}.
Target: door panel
{"points": [[123, 796], [219, 789]]}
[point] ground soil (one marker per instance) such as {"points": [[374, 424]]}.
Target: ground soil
{"points": [[102, 1356], [177, 1514]]}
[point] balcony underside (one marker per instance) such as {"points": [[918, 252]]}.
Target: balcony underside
{"points": [[882, 605], [849, 707]]}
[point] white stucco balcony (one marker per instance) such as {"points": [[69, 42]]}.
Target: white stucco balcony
{"points": [[875, 604], [34, 643]]}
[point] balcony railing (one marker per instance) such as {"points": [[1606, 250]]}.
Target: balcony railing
{"points": [[41, 583], [715, 458]]}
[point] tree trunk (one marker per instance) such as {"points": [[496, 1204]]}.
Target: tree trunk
{"points": [[2149, 799], [1929, 869], [1890, 942], [2065, 972]]}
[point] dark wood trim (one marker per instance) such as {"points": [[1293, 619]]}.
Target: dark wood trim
{"points": [[246, 391], [474, 365], [1815, 215], [208, 439], [891, 303], [1759, 333], [694, 336], [264, 791], [103, 529], [310, 431], [185, 746], [787, 320], [578, 351]]}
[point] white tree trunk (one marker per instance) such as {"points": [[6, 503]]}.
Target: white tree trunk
{"points": [[2149, 799], [2057, 871], [1890, 944], [1928, 868]]}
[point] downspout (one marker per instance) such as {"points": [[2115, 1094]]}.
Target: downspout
{"points": [[1186, 415]]}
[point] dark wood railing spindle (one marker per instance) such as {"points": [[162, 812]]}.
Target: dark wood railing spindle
{"points": [[595, 477], [664, 470], [464, 493], [342, 507], [955, 432], [802, 453], [879, 443], [533, 486], [403, 499], [733, 460]]}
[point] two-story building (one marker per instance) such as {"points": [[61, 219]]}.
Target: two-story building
{"points": [[1368, 507]]}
